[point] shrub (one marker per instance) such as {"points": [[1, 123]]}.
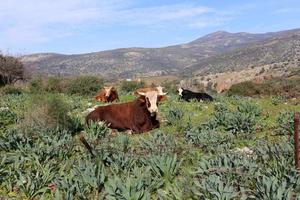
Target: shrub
{"points": [[130, 86], [50, 111], [11, 70], [285, 123], [36, 85], [285, 87], [84, 85], [170, 86], [246, 88], [54, 84], [10, 89]]}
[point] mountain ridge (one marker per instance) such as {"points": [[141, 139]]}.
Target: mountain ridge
{"points": [[193, 57]]}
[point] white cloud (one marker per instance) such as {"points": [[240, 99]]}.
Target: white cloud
{"points": [[38, 21]]}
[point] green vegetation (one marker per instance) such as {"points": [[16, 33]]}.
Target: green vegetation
{"points": [[84, 85], [283, 87], [130, 86], [49, 111], [10, 89], [232, 148], [81, 85]]}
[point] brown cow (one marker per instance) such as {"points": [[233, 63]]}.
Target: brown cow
{"points": [[138, 116], [159, 89], [108, 94]]}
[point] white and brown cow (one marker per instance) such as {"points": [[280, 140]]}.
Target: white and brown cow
{"points": [[137, 116], [107, 94]]}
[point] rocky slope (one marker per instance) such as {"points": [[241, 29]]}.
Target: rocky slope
{"points": [[217, 52]]}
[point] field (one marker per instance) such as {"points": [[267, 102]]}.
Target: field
{"points": [[232, 148]]}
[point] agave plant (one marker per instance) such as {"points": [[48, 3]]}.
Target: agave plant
{"points": [[96, 131], [166, 167], [269, 187], [159, 143], [35, 182], [214, 188], [135, 187]]}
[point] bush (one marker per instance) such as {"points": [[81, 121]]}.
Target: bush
{"points": [[36, 85], [11, 70], [170, 86], [84, 85], [285, 123], [130, 86], [284, 87], [50, 112], [246, 88], [54, 84], [10, 89]]}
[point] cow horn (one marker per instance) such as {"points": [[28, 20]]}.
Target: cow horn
{"points": [[141, 93]]}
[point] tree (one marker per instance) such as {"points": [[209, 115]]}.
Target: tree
{"points": [[11, 70]]}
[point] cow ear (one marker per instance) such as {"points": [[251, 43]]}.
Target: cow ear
{"points": [[161, 98]]}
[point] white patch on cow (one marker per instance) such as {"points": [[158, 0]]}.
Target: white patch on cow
{"points": [[180, 91], [108, 90], [152, 98], [88, 110]]}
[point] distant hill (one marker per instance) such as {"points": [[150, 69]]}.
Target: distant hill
{"points": [[217, 52]]}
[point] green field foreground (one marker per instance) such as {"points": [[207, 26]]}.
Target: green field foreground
{"points": [[232, 148]]}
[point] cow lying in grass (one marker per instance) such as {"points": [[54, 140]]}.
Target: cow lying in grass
{"points": [[108, 94], [188, 95], [137, 116]]}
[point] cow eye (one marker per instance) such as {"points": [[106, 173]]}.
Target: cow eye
{"points": [[148, 102]]}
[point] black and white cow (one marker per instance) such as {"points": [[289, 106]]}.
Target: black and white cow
{"points": [[188, 95]]}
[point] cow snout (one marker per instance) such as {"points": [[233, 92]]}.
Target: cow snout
{"points": [[153, 111], [153, 114]]}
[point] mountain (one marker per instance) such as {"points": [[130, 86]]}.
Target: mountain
{"points": [[216, 52], [280, 50]]}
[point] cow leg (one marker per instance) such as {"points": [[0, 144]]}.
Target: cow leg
{"points": [[114, 132], [129, 132]]}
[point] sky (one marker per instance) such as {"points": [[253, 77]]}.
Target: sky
{"points": [[82, 26]]}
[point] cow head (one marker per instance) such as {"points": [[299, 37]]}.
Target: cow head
{"points": [[108, 91], [152, 98], [180, 91]]}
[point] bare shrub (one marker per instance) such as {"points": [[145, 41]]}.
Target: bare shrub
{"points": [[11, 70]]}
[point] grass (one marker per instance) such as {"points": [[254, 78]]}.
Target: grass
{"points": [[120, 158]]}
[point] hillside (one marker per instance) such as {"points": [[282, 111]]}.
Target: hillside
{"points": [[281, 50], [216, 52]]}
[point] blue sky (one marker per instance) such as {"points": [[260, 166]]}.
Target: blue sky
{"points": [[81, 26]]}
